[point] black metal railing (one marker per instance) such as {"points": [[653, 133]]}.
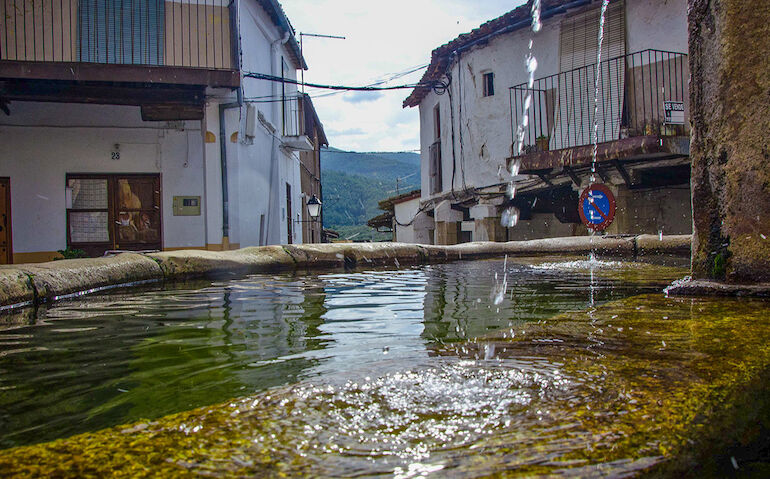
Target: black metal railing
{"points": [[293, 112], [185, 33], [643, 93]]}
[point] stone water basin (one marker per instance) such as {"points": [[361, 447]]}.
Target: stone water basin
{"points": [[584, 369]]}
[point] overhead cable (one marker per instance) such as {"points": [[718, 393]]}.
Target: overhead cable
{"points": [[262, 76]]}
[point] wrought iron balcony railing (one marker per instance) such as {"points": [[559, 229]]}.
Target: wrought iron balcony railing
{"points": [[640, 94], [180, 33]]}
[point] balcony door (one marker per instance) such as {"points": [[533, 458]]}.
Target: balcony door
{"points": [[6, 250], [124, 32], [579, 48], [113, 212]]}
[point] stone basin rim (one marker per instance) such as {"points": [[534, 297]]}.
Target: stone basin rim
{"points": [[24, 285]]}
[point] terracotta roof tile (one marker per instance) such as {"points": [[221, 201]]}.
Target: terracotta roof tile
{"points": [[511, 21]]}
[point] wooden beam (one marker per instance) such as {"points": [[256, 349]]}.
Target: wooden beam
{"points": [[623, 172], [574, 177], [104, 94], [75, 71], [544, 178], [172, 112], [601, 174]]}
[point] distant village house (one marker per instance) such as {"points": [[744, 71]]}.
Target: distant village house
{"points": [[473, 102]]}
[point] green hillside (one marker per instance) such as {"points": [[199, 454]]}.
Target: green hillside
{"points": [[354, 183]]}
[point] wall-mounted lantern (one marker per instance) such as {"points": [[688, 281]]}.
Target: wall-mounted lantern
{"points": [[314, 208]]}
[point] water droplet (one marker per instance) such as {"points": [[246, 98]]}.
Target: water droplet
{"points": [[510, 217], [511, 191], [537, 25], [489, 352], [531, 64], [515, 167]]}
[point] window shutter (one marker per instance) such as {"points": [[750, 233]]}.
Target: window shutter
{"points": [[579, 47], [580, 34], [128, 32]]}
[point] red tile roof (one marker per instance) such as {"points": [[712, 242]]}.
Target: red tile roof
{"points": [[517, 18]]}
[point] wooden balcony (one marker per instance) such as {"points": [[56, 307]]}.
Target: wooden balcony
{"points": [[177, 42], [632, 119]]}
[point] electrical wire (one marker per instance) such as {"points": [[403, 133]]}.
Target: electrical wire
{"points": [[263, 76], [425, 207]]}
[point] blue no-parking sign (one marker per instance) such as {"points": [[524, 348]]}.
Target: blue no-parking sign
{"points": [[597, 207]]}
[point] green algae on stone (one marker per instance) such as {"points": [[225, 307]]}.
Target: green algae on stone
{"points": [[647, 382]]}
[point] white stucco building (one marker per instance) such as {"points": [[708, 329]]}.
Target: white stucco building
{"points": [[473, 101], [403, 219], [141, 129]]}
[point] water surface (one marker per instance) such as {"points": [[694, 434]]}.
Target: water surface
{"points": [[116, 358]]}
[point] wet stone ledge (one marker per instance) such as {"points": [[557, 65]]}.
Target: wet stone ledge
{"points": [[25, 284], [696, 287]]}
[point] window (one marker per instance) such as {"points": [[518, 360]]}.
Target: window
{"points": [[489, 84], [435, 167], [436, 123], [113, 212], [435, 153], [115, 33]]}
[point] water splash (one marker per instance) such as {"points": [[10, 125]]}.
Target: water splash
{"points": [[499, 289], [511, 191], [510, 217]]}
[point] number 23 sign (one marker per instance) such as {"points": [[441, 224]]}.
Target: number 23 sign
{"points": [[597, 207]]}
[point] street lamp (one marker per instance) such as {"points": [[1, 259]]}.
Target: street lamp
{"points": [[314, 208]]}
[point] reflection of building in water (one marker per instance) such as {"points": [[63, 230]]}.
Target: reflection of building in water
{"points": [[457, 303], [458, 298], [371, 317], [147, 354]]}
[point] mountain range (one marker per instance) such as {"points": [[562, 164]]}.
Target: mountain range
{"points": [[354, 182]]}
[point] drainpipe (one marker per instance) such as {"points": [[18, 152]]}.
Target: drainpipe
{"points": [[222, 138], [223, 165], [273, 152]]}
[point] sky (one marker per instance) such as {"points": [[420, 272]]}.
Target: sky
{"points": [[383, 38]]}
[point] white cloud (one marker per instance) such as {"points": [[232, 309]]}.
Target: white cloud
{"points": [[361, 96], [382, 39]]}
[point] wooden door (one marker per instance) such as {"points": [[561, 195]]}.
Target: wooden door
{"points": [[6, 250], [290, 230], [114, 212]]}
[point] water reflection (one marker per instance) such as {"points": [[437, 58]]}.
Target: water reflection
{"points": [[115, 358], [111, 359]]}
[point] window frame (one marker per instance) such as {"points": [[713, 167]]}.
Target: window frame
{"points": [[488, 84]]}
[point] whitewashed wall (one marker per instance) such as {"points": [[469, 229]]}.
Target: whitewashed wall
{"points": [[656, 24], [41, 142], [405, 212], [258, 168]]}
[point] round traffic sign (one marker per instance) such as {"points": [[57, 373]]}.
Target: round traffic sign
{"points": [[597, 207]]}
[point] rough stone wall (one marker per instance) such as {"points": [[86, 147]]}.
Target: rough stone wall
{"points": [[730, 149]]}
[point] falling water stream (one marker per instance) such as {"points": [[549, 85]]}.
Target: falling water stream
{"points": [[510, 216]]}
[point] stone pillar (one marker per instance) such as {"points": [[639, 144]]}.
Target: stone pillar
{"points": [[447, 223], [487, 223], [730, 148]]}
